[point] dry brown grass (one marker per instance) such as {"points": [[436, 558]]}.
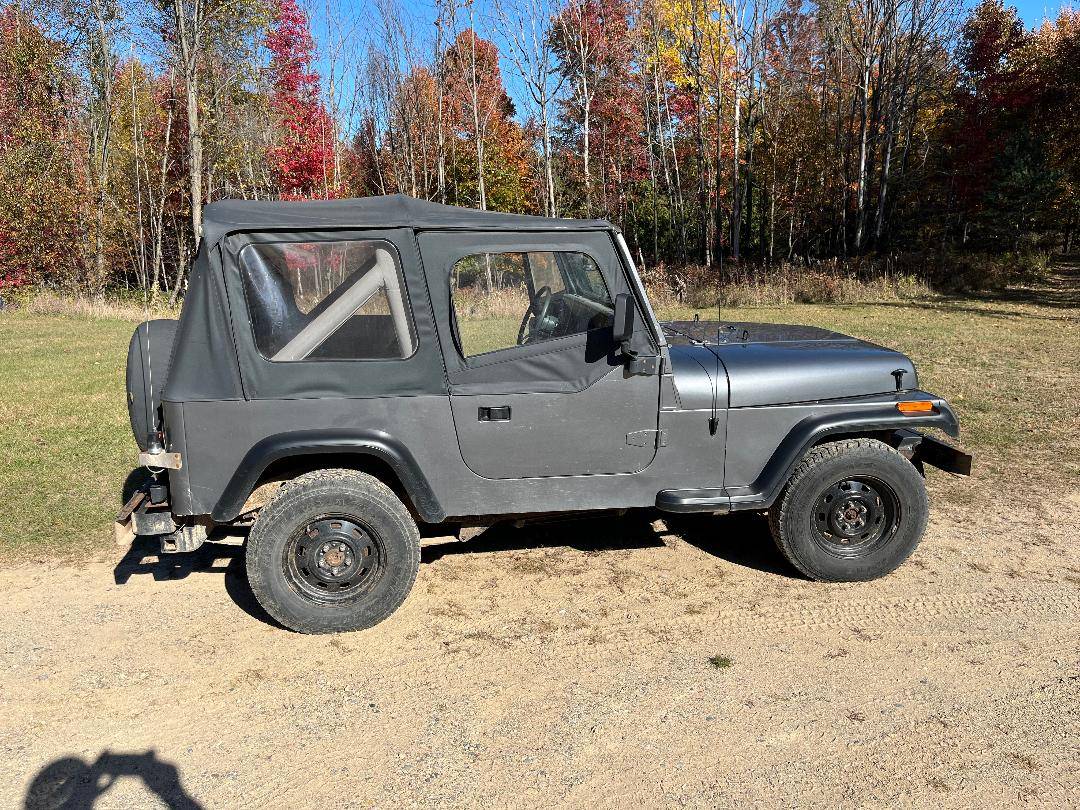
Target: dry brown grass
{"points": [[832, 281], [478, 304], [48, 302], [786, 285], [856, 280]]}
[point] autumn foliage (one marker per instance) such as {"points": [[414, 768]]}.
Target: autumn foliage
{"points": [[710, 132], [302, 159], [41, 180]]}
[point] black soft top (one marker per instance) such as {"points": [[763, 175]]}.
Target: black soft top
{"points": [[207, 363], [391, 211]]}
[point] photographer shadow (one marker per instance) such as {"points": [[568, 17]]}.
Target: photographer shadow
{"points": [[70, 783]]}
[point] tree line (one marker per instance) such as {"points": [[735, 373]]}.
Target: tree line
{"points": [[708, 130]]}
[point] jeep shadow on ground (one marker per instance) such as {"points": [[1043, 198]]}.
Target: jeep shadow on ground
{"points": [[585, 533], [70, 783], [741, 539], [222, 553]]}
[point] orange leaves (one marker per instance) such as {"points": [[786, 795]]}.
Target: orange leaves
{"points": [[42, 180]]}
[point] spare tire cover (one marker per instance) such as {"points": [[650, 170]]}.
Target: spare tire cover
{"points": [[149, 353]]}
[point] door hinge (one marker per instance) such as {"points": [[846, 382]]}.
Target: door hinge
{"points": [[645, 438]]}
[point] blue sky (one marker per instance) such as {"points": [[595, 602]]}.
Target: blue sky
{"points": [[1034, 11], [363, 24]]}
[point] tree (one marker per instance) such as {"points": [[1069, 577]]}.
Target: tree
{"points": [[201, 36], [43, 188], [592, 39], [302, 159], [526, 27], [477, 99]]}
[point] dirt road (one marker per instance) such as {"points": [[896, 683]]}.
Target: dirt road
{"points": [[565, 665]]}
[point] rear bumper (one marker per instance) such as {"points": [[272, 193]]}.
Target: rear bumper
{"points": [[141, 518]]}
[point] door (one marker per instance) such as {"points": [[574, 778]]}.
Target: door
{"points": [[538, 386]]}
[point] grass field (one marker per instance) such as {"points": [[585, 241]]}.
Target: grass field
{"points": [[1010, 365]]}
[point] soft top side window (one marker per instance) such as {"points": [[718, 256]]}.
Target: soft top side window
{"points": [[333, 300], [503, 300]]}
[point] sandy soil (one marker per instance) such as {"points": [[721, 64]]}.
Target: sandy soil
{"points": [[564, 665]]}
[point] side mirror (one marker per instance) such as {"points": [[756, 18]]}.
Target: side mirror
{"points": [[625, 321], [625, 318]]}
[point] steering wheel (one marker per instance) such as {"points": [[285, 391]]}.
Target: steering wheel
{"points": [[538, 307]]}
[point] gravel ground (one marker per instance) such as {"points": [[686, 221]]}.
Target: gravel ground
{"points": [[599, 662]]}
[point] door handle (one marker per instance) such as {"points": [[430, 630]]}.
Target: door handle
{"points": [[495, 413]]}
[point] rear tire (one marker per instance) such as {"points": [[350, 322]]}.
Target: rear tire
{"points": [[853, 510], [334, 551]]}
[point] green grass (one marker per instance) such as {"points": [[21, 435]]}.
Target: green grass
{"points": [[1010, 368], [721, 662], [64, 431], [488, 335]]}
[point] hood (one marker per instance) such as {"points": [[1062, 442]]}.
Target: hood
{"points": [[773, 364]]}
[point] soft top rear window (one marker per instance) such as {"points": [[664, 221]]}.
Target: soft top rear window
{"points": [[327, 300]]}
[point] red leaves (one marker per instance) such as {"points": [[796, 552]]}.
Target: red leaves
{"points": [[302, 163]]}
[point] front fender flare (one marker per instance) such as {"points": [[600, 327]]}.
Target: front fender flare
{"points": [[375, 443], [812, 430]]}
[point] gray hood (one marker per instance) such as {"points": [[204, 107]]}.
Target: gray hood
{"points": [[772, 364]]}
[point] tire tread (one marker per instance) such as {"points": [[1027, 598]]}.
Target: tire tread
{"points": [[818, 455], [357, 484]]}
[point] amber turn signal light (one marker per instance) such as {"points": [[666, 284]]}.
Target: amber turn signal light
{"points": [[916, 406]]}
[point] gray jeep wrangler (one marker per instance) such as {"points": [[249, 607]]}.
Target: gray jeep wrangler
{"points": [[348, 376]]}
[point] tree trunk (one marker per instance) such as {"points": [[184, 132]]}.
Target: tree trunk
{"points": [[101, 131], [548, 174], [586, 127], [187, 33]]}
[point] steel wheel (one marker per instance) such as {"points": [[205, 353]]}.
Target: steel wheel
{"points": [[333, 559], [855, 517]]}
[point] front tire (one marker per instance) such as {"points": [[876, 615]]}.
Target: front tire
{"points": [[334, 551], [852, 511]]}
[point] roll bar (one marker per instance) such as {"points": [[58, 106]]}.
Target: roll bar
{"points": [[383, 276]]}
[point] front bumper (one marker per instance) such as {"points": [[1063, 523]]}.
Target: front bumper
{"points": [[926, 449]]}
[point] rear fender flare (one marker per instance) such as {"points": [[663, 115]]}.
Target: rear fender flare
{"points": [[375, 443]]}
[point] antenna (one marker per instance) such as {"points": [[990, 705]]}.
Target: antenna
{"points": [[714, 417], [153, 441], [719, 275]]}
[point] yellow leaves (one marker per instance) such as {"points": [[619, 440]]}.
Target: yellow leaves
{"points": [[685, 40]]}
